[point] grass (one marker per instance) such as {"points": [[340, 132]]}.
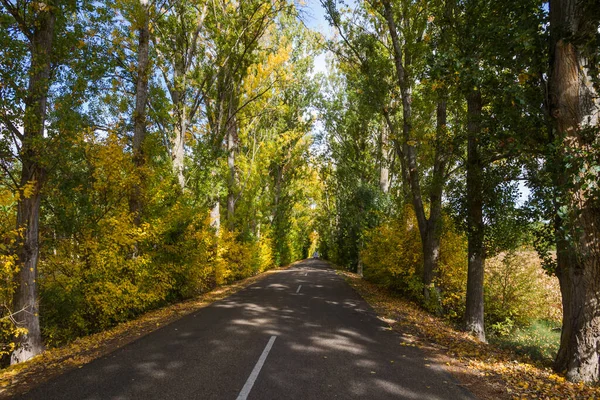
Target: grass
{"points": [[539, 341]]}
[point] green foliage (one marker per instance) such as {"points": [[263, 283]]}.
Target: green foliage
{"points": [[539, 340]]}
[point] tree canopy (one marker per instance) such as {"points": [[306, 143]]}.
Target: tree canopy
{"points": [[153, 150]]}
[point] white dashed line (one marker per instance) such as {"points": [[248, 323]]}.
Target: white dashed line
{"points": [[298, 290], [254, 374]]}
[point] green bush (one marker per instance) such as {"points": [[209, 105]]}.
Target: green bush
{"points": [[539, 340]]}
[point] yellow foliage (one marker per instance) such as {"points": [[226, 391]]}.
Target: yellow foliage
{"points": [[8, 268], [452, 270], [262, 75], [517, 288], [393, 254], [393, 257]]}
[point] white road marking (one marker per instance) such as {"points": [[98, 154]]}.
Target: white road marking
{"points": [[306, 274], [254, 374], [298, 290]]}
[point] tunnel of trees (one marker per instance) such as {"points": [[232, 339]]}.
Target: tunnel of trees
{"points": [[153, 150]]}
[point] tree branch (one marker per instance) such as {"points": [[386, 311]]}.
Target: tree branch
{"points": [[18, 18]]}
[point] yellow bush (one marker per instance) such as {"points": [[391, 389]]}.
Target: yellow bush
{"points": [[393, 257], [393, 254], [262, 255], [517, 289], [8, 269], [452, 270]]}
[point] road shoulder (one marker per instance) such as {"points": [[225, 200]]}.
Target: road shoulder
{"points": [[405, 318]]}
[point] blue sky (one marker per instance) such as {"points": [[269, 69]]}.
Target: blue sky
{"points": [[313, 16]]}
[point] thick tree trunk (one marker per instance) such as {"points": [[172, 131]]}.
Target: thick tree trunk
{"points": [[580, 289], [25, 302], [431, 244], [475, 229], [574, 108], [139, 115]]}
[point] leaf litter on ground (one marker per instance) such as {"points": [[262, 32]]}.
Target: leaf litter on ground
{"points": [[486, 370]]}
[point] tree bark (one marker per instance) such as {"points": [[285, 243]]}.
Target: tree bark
{"points": [[139, 115], [574, 108], [384, 168], [474, 322], [25, 301], [215, 217], [428, 227], [232, 138], [180, 126]]}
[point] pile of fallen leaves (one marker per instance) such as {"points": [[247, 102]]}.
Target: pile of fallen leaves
{"points": [[506, 374], [22, 377]]}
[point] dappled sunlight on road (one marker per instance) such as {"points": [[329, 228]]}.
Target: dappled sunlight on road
{"points": [[329, 345]]}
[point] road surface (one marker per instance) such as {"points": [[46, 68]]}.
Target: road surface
{"points": [[301, 333]]}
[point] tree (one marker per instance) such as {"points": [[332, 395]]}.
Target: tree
{"points": [[36, 24], [490, 79], [179, 45], [574, 107], [414, 24], [141, 99]]}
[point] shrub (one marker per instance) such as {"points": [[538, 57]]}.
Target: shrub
{"points": [[393, 257], [452, 273], [393, 254], [517, 289]]}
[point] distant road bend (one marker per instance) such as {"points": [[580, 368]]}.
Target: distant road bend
{"points": [[301, 333]]}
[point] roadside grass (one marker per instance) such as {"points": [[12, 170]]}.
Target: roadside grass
{"points": [[539, 341], [486, 369]]}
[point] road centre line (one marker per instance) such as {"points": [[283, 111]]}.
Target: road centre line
{"points": [[254, 374], [298, 290]]}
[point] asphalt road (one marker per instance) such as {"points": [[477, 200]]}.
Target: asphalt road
{"points": [[302, 333]]}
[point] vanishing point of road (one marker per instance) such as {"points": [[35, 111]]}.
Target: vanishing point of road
{"points": [[300, 333]]}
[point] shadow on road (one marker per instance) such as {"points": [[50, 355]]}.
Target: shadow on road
{"points": [[329, 344]]}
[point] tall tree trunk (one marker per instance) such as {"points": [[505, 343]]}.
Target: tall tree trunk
{"points": [[180, 126], [384, 168], [574, 108], [231, 150], [215, 217], [139, 115], [431, 245], [408, 149], [475, 229], [25, 302], [428, 227]]}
